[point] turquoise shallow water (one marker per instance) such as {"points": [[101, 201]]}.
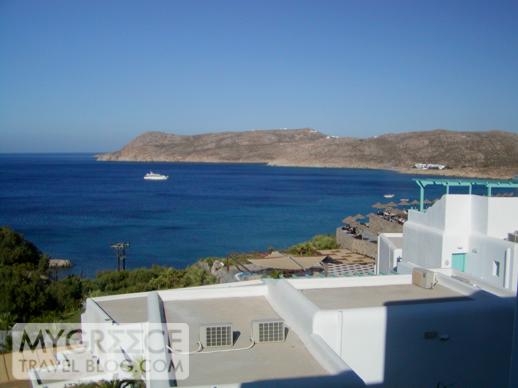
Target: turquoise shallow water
{"points": [[74, 207]]}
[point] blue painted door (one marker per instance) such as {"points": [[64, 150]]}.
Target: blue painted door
{"points": [[458, 261]]}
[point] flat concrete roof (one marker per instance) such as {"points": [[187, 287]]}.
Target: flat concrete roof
{"points": [[346, 256], [283, 261], [374, 296], [262, 362], [131, 310], [288, 262]]}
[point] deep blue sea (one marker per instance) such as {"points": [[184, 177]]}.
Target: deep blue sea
{"points": [[74, 207]]}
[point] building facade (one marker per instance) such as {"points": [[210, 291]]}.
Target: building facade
{"points": [[468, 234]]}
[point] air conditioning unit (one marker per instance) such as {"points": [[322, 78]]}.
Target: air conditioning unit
{"points": [[424, 278], [217, 335], [268, 330]]}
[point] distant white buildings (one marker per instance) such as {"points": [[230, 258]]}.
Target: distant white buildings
{"points": [[429, 166]]}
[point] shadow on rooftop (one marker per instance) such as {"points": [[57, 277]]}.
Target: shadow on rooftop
{"points": [[448, 342], [346, 379]]}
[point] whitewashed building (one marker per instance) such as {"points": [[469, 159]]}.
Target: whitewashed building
{"points": [[468, 234], [390, 248], [389, 331]]}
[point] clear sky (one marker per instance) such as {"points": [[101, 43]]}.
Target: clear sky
{"points": [[91, 75]]}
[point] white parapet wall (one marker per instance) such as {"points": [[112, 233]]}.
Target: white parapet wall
{"points": [[225, 290], [157, 345], [352, 281], [390, 249]]}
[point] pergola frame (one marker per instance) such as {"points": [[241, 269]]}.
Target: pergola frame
{"points": [[469, 183]]}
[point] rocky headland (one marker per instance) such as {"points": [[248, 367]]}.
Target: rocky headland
{"points": [[491, 154]]}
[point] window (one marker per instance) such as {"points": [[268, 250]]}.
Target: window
{"points": [[496, 268]]}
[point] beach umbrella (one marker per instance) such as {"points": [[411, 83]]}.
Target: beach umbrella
{"points": [[404, 202], [397, 212], [378, 205], [348, 220], [427, 202], [414, 202], [391, 204], [358, 216]]}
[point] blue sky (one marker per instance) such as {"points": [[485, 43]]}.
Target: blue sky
{"points": [[91, 75]]}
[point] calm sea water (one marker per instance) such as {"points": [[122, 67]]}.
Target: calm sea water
{"points": [[73, 207]]}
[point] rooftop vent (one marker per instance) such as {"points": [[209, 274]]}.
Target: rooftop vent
{"points": [[424, 278], [513, 237], [216, 335], [271, 330]]}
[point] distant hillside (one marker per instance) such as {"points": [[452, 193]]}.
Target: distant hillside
{"points": [[491, 153]]}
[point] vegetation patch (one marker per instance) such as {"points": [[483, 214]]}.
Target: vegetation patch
{"points": [[29, 294], [311, 247]]}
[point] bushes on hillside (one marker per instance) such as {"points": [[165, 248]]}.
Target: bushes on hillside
{"points": [[22, 294], [15, 250], [311, 247], [324, 241], [28, 294], [148, 279]]}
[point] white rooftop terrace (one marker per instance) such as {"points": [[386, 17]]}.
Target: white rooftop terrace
{"points": [[349, 332], [133, 311], [262, 361]]}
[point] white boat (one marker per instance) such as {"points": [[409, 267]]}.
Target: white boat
{"points": [[151, 176], [389, 196]]}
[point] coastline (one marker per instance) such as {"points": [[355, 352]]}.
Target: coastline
{"points": [[470, 172], [200, 199]]}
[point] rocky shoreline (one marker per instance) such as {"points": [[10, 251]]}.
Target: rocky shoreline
{"points": [[476, 173]]}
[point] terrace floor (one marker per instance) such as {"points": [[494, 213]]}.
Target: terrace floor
{"points": [[131, 310], [373, 296], [261, 362]]}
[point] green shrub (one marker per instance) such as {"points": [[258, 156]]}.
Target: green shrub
{"points": [[324, 241], [311, 247], [14, 249]]}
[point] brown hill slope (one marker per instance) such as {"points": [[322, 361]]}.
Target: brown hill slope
{"points": [[491, 153]]}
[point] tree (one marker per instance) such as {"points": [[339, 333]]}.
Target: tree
{"points": [[14, 249], [23, 293]]}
